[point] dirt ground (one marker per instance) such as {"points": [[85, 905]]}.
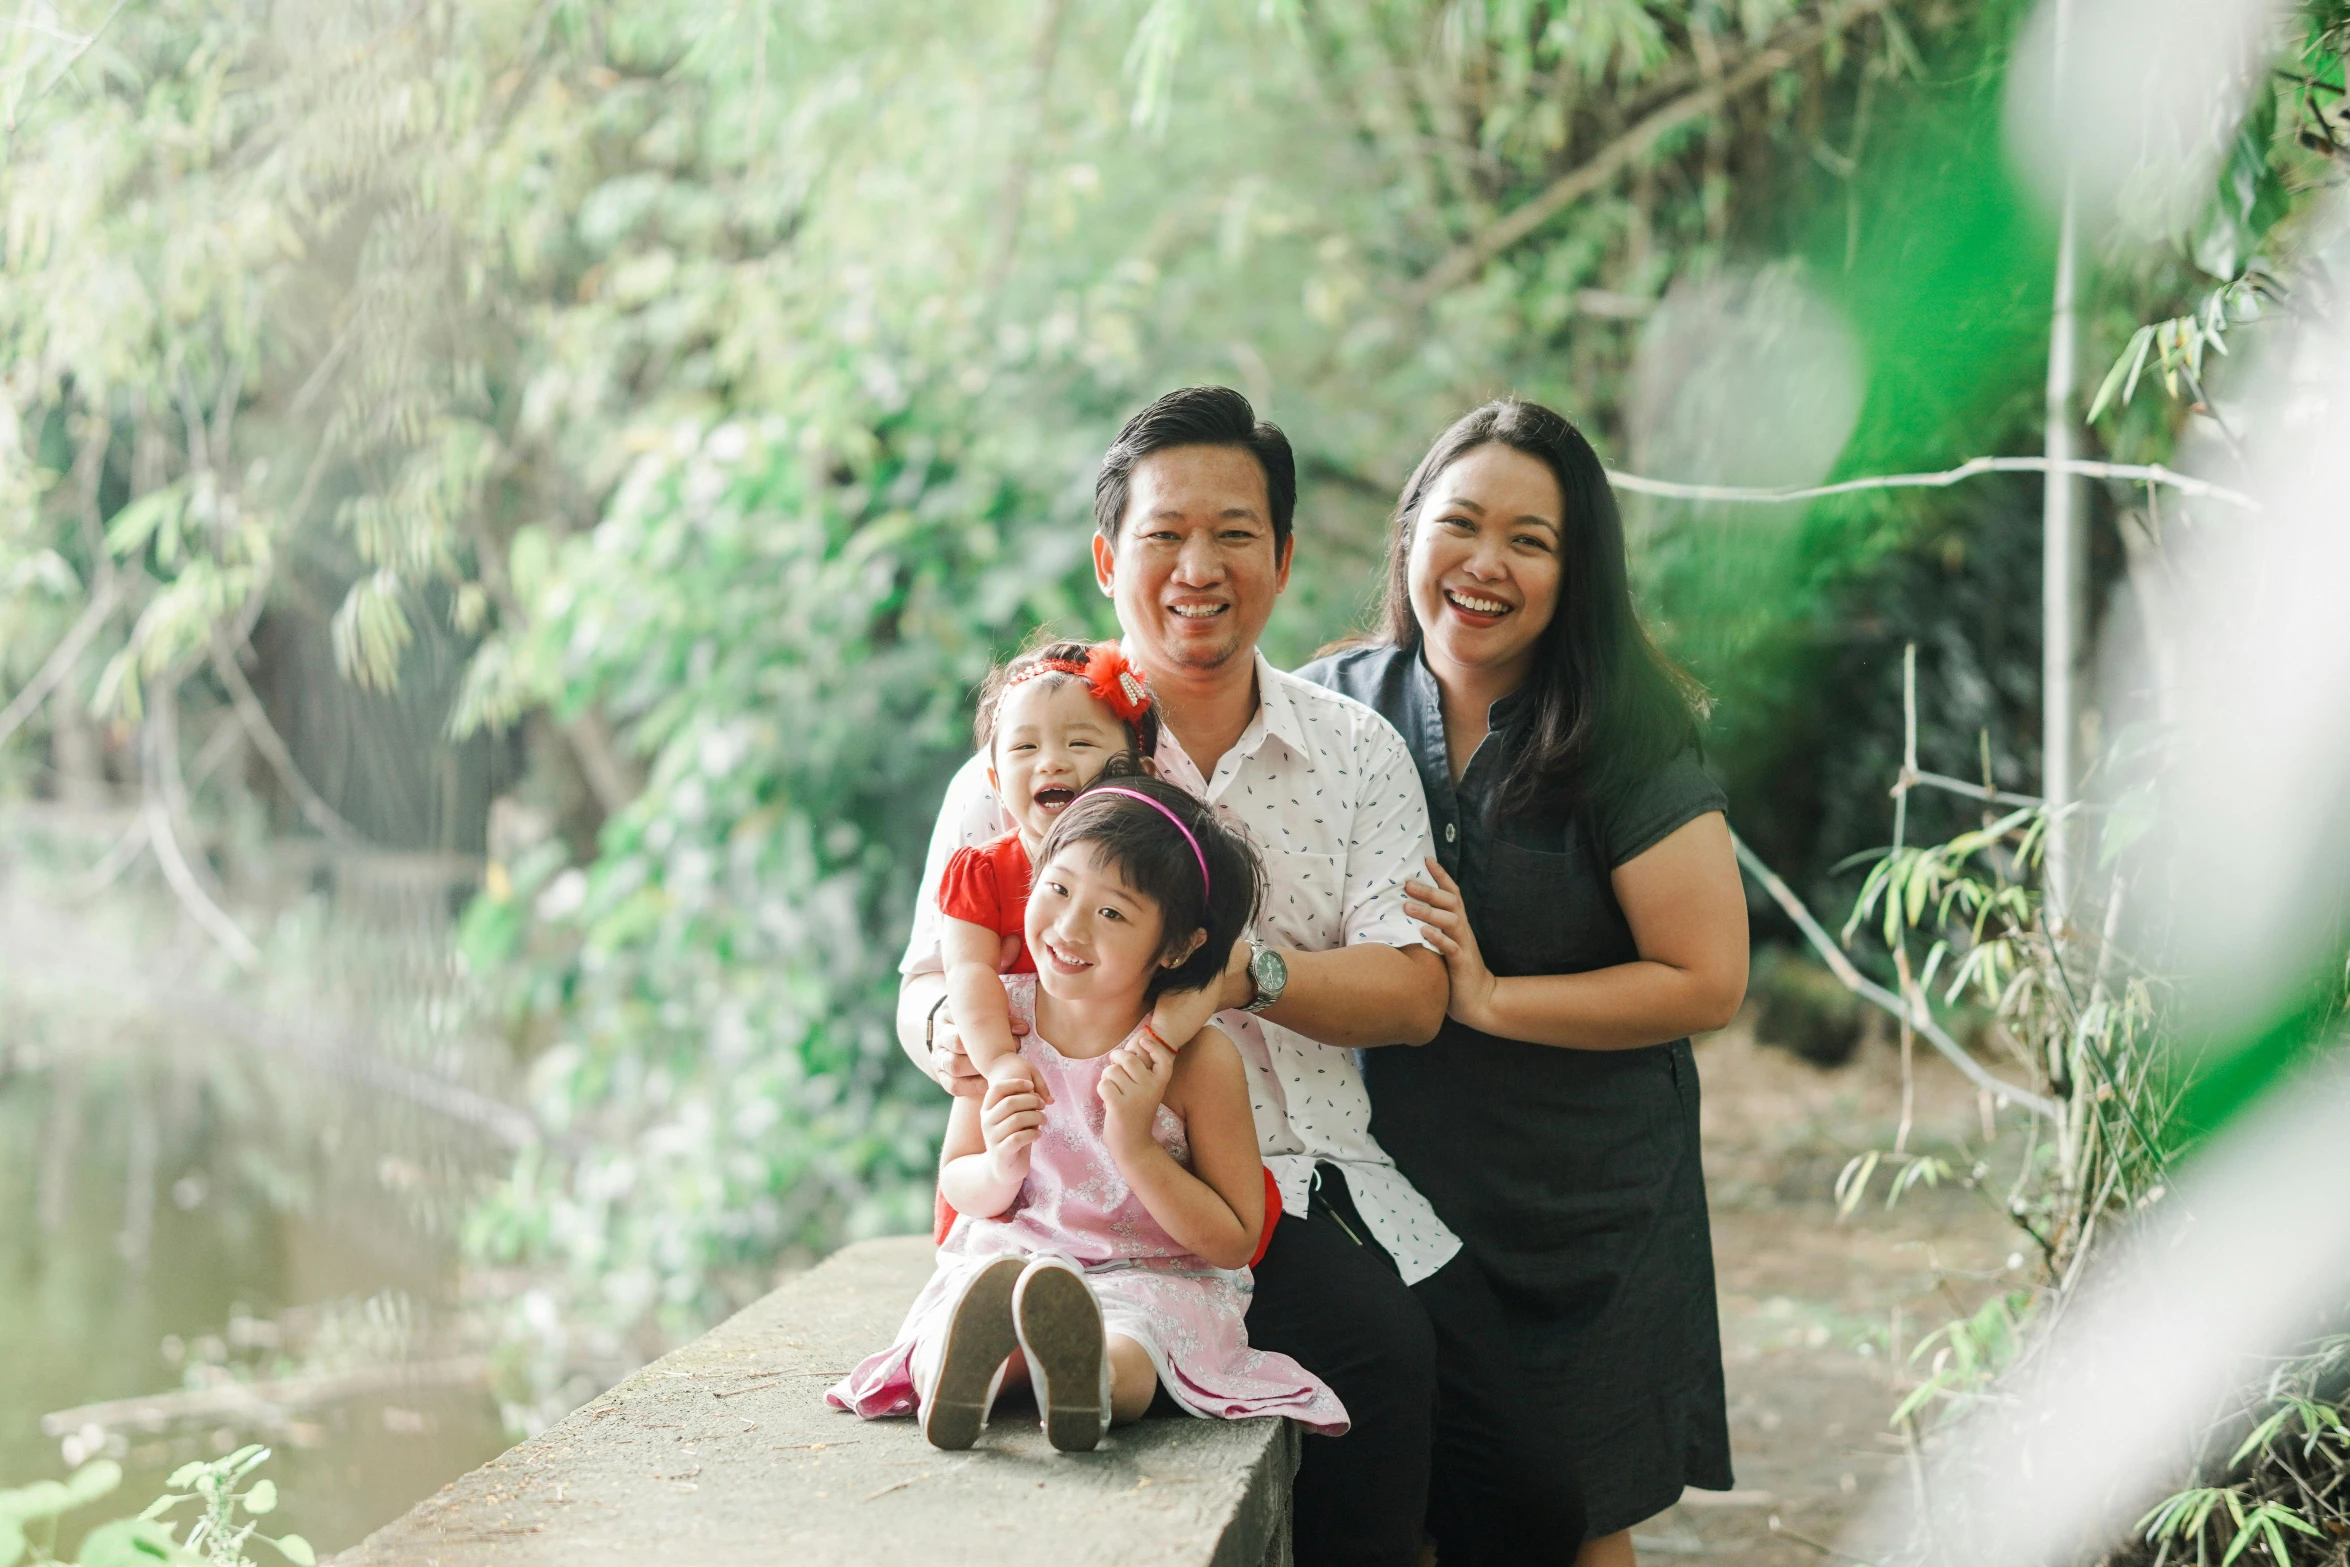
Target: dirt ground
{"points": [[1818, 1314]]}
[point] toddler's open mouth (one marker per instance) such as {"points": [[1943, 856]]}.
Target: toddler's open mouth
{"points": [[1052, 800]]}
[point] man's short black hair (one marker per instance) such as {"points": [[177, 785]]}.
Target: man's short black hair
{"points": [[1197, 416]]}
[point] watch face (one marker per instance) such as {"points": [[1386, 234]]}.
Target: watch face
{"points": [[1269, 971]]}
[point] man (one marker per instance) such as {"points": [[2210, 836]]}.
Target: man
{"points": [[1192, 511]]}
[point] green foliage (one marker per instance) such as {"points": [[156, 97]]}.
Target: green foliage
{"points": [[39, 1506], [218, 1533], [2235, 264], [708, 391], [1967, 1355], [2182, 1518], [217, 1540], [794, 580], [785, 640], [2287, 1466], [1909, 1172], [1966, 890]]}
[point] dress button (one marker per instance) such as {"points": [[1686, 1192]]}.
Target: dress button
{"points": [[1450, 832]]}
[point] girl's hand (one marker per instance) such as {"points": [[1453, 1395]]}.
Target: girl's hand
{"points": [[1132, 1087], [1010, 1121], [1181, 1014], [1445, 921]]}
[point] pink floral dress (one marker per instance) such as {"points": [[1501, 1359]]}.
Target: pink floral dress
{"points": [[1075, 1204]]}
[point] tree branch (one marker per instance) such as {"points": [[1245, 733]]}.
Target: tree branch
{"points": [[68, 652], [602, 765], [266, 1402], [1877, 995], [609, 776], [1043, 51], [163, 792], [1913, 777], [273, 748], [1974, 467], [68, 63], [1469, 259]]}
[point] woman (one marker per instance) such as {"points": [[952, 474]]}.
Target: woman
{"points": [[1586, 900]]}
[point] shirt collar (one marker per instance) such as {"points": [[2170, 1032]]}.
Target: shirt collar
{"points": [[1276, 716], [1275, 708], [1503, 713]]}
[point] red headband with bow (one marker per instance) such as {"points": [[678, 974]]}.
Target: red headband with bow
{"points": [[1107, 673]]}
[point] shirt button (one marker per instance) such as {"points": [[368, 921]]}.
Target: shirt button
{"points": [[1450, 832]]}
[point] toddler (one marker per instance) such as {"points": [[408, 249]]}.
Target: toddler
{"points": [[1051, 721]]}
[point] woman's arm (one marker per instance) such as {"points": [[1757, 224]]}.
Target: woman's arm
{"points": [[1687, 910], [1215, 1208]]}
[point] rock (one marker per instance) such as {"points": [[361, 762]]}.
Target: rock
{"points": [[725, 1452]]}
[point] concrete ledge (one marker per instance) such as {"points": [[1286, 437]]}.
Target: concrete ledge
{"points": [[725, 1452]]}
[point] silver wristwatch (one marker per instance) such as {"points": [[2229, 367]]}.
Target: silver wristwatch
{"points": [[1268, 971]]}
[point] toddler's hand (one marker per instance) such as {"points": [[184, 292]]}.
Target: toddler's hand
{"points": [[1016, 1073], [1132, 1087], [1010, 1121]]}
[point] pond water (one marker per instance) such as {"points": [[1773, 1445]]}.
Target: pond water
{"points": [[257, 1246]]}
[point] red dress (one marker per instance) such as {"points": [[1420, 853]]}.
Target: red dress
{"points": [[988, 886]]}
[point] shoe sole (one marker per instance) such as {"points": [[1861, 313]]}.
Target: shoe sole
{"points": [[980, 1338], [1060, 1327]]}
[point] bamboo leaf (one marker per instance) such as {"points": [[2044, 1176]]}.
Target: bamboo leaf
{"points": [[1919, 1397], [135, 527], [1852, 1183], [2262, 1434], [370, 632]]}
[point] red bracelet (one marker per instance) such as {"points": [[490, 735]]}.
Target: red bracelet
{"points": [[1154, 1033]]}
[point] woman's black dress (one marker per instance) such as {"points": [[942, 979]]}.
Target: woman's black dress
{"points": [[1571, 1175]]}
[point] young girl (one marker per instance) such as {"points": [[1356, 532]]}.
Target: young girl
{"points": [[1100, 1229], [1051, 722]]}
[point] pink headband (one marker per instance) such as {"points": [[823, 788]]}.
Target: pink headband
{"points": [[1137, 794]]}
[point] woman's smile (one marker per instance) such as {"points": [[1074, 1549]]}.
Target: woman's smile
{"points": [[1477, 610]]}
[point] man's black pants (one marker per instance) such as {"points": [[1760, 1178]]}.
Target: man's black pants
{"points": [[1430, 1380]]}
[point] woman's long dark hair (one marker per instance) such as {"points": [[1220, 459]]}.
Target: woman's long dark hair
{"points": [[1608, 707]]}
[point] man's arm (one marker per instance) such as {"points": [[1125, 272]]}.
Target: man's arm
{"points": [[1385, 986], [968, 815], [941, 1059], [1353, 997]]}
